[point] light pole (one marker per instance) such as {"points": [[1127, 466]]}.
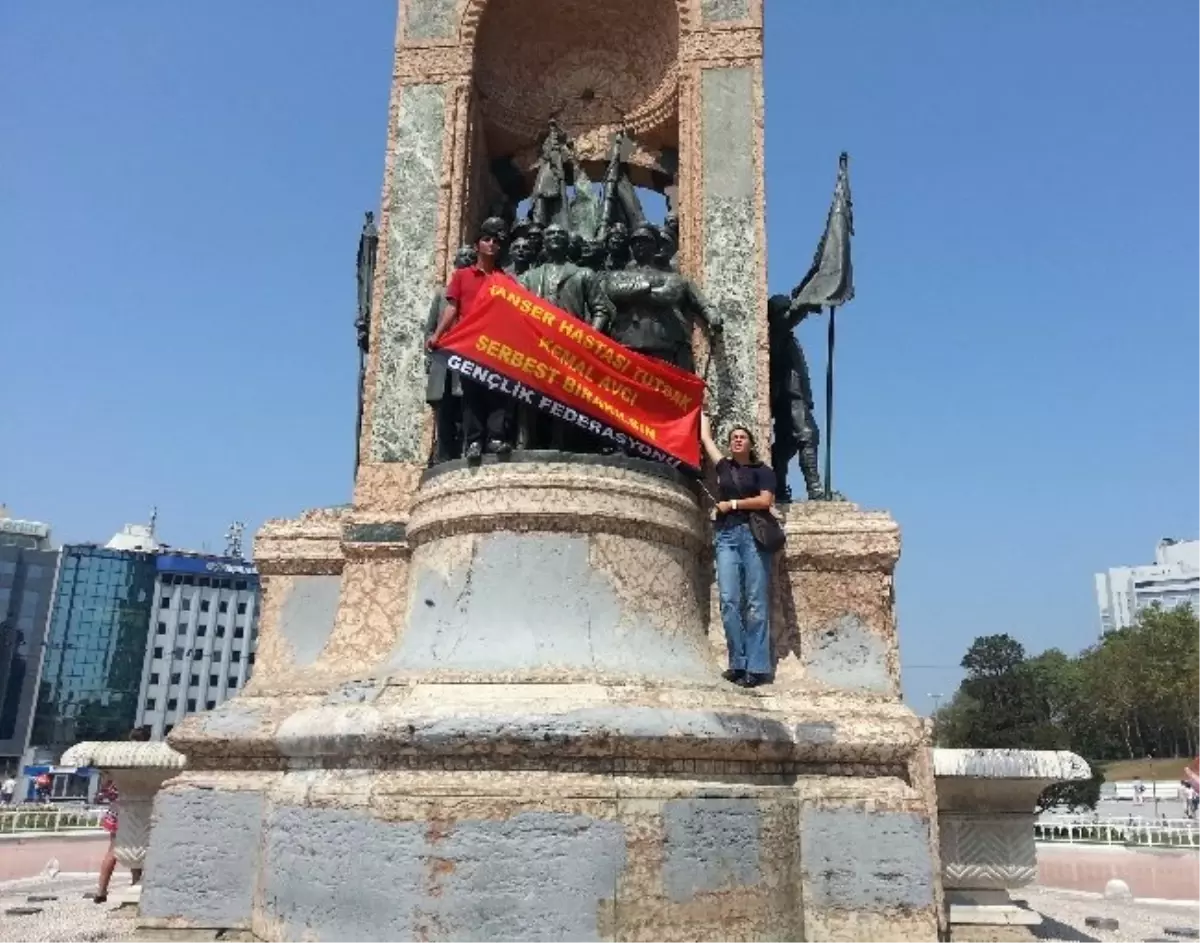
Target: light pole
{"points": [[937, 699]]}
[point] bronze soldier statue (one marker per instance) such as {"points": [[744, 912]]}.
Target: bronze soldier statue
{"points": [[792, 400], [550, 186], [368, 250], [443, 388], [668, 237], [655, 309], [576, 290], [616, 247], [560, 281], [520, 257]]}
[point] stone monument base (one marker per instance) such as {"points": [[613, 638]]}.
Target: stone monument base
{"points": [[544, 748]]}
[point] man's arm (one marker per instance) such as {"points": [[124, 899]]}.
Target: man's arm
{"points": [[449, 316]]}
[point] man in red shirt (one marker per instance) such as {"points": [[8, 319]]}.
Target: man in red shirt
{"points": [[484, 412]]}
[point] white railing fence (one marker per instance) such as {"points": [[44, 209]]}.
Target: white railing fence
{"points": [[17, 820], [1155, 833]]}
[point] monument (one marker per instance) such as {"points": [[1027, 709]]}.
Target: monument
{"points": [[488, 700]]}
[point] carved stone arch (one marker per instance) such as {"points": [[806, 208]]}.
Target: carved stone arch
{"points": [[595, 66], [472, 12]]}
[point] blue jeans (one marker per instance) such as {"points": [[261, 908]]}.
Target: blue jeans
{"points": [[743, 581]]}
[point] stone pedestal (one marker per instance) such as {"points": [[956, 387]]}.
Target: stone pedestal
{"points": [[138, 770], [530, 738], [986, 802]]}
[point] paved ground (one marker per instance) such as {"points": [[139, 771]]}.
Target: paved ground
{"points": [[73, 918], [70, 918], [1065, 913], [1120, 809]]}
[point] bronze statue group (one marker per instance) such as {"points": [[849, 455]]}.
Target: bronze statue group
{"points": [[598, 258]]}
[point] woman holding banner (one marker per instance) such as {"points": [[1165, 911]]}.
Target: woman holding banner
{"points": [[746, 486]]}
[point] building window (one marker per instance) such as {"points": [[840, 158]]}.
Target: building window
{"points": [[154, 677], [250, 659], [203, 581], [209, 705], [232, 682], [239, 584], [235, 657], [223, 607], [214, 680], [158, 652], [149, 703], [191, 703], [179, 651], [194, 680], [204, 605], [239, 632], [167, 729], [220, 633], [241, 609], [197, 654], [175, 676], [162, 628], [201, 631], [164, 603], [172, 703], [185, 604]]}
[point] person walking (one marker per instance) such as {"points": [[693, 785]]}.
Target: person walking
{"points": [[7, 790], [110, 823], [745, 485]]}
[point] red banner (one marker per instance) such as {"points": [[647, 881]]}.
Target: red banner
{"points": [[516, 343]]}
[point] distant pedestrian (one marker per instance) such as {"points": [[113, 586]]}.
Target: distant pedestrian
{"points": [[111, 823], [41, 786], [7, 789], [1139, 791]]}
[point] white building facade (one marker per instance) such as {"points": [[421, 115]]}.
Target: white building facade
{"points": [[203, 637], [1172, 580]]}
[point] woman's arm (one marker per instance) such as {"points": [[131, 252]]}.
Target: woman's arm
{"points": [[706, 439], [760, 502]]}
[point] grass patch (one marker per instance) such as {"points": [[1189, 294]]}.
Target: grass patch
{"points": [[1165, 769]]}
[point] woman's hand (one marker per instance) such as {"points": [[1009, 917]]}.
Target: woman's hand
{"points": [[705, 426], [724, 507]]}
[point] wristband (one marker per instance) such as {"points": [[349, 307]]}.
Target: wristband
{"points": [[735, 504]]}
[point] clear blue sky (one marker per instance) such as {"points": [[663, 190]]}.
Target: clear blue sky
{"points": [[181, 188]]}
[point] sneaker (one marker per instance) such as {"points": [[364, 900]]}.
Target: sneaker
{"points": [[752, 680], [500, 447], [473, 452], [734, 675]]}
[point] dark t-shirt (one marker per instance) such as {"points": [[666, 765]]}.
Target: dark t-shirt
{"points": [[735, 480]]}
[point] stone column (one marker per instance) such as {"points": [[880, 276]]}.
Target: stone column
{"points": [[986, 802], [138, 770], [722, 195], [834, 620], [425, 187]]}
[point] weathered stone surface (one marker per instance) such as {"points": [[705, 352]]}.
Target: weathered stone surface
{"points": [[710, 845], [306, 619], [428, 19], [732, 272], [204, 857], [410, 275], [865, 860], [846, 654], [717, 11], [536, 876]]}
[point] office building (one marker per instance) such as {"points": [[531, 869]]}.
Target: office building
{"points": [[96, 641], [202, 646], [1173, 579], [27, 570]]}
